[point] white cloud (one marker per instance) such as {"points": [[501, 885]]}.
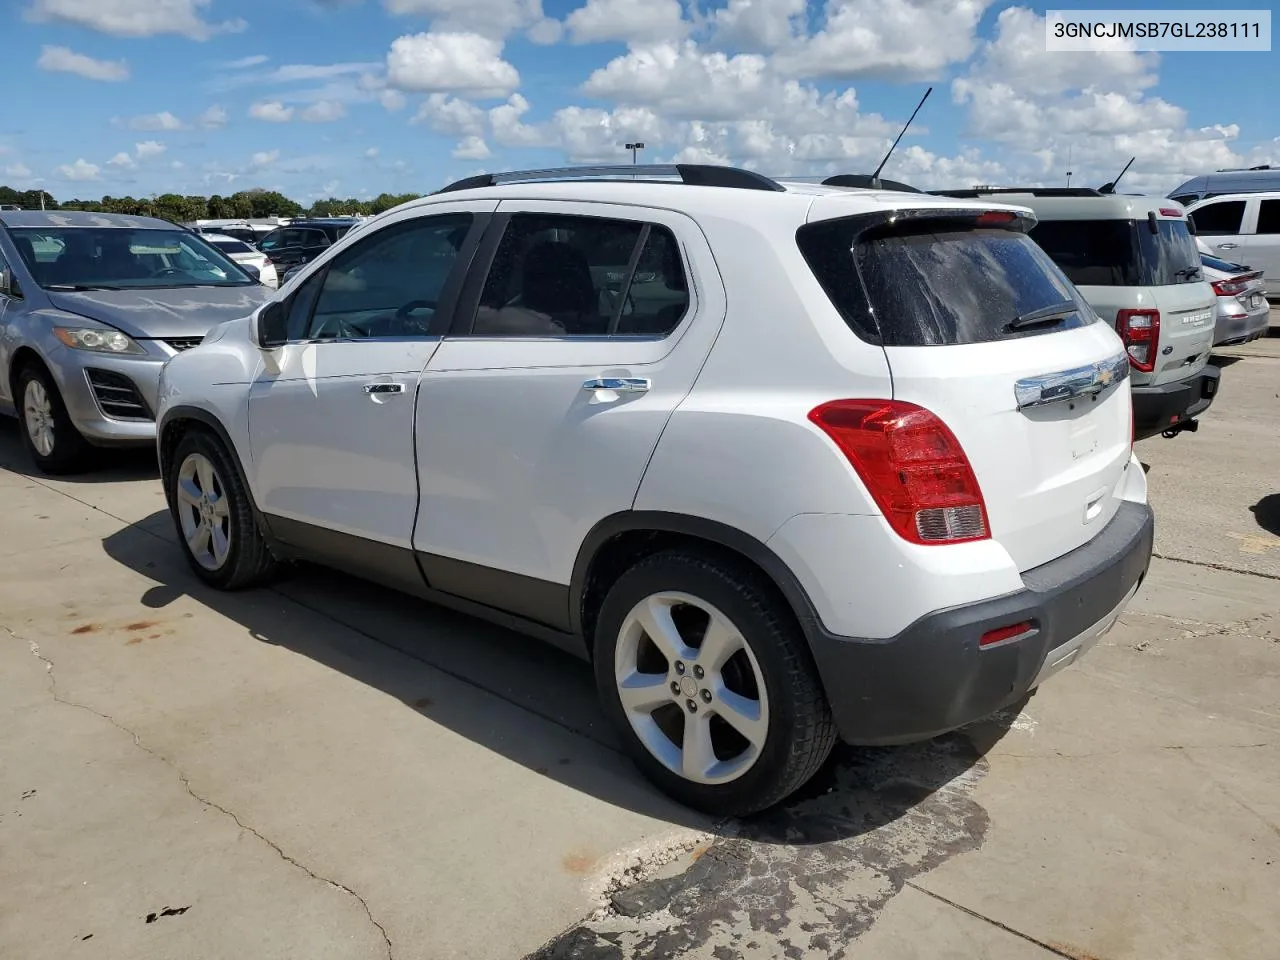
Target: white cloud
{"points": [[122, 160], [493, 18], [271, 111], [157, 121], [450, 62], [214, 117], [81, 170], [758, 25], [136, 18], [372, 153], [450, 115], [264, 158], [629, 21], [329, 189], [244, 63], [392, 100], [887, 38], [324, 111], [471, 148], [148, 148], [64, 60], [18, 171], [177, 165]]}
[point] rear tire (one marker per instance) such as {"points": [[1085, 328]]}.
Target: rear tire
{"points": [[214, 517], [51, 439], [729, 659]]}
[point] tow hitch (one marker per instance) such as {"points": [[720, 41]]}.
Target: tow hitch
{"points": [[1191, 426]]}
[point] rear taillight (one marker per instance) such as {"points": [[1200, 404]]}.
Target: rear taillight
{"points": [[1229, 288], [1140, 331], [913, 467]]}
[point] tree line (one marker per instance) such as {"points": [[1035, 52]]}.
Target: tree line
{"points": [[243, 205]]}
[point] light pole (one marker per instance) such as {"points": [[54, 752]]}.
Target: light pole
{"points": [[633, 147]]}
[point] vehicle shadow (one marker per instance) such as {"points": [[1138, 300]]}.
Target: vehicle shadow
{"points": [[1267, 513], [448, 667], [1221, 360], [114, 465]]}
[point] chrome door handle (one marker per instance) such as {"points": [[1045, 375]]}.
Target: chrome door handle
{"points": [[1227, 246], [378, 389], [619, 384]]}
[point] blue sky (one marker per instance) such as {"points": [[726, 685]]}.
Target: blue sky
{"points": [[356, 97]]}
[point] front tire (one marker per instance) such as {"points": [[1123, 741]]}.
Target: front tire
{"points": [[704, 673], [214, 516], [51, 439]]}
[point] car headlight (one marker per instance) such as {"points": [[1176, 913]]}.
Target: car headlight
{"points": [[97, 339]]}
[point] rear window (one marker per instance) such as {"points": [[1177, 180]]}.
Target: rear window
{"points": [[1121, 253], [231, 246], [925, 287]]}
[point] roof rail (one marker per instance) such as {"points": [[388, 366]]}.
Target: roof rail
{"points": [[1034, 191], [694, 174]]}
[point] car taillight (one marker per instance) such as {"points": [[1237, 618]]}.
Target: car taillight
{"points": [[1229, 288], [913, 467], [1140, 331]]}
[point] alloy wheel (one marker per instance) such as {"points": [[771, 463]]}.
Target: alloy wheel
{"points": [[691, 688], [203, 511], [37, 410]]}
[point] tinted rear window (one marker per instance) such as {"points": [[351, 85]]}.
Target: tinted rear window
{"points": [[920, 287], [1121, 253]]}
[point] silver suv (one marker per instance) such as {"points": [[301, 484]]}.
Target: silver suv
{"points": [[1135, 261]]}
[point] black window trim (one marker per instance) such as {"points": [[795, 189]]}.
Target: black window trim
{"points": [[1257, 223], [1200, 230], [446, 310], [468, 304]]}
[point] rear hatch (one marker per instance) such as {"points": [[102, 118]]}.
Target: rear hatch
{"points": [[1040, 406], [1143, 277]]}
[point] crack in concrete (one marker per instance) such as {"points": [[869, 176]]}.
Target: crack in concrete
{"points": [[186, 785], [1043, 945], [1225, 568]]}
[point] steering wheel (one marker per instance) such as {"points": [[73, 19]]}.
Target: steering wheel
{"points": [[403, 320], [166, 272]]}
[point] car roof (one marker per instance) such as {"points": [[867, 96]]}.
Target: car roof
{"points": [[1111, 206], [223, 237], [804, 201], [80, 218], [1257, 194]]}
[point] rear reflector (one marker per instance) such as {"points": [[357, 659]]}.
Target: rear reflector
{"points": [[1005, 633], [912, 465], [1140, 331]]}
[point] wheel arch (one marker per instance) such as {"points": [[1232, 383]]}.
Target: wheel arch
{"points": [[617, 542], [181, 419], [24, 355]]}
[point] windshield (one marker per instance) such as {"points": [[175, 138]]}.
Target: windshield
{"points": [[1121, 253], [232, 246], [122, 258]]}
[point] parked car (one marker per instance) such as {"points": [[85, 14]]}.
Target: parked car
{"points": [[91, 306], [245, 255], [783, 463], [1253, 180], [1243, 228], [303, 240], [1243, 313], [1134, 259]]}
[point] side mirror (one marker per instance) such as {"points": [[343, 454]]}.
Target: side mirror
{"points": [[251, 270], [273, 322]]}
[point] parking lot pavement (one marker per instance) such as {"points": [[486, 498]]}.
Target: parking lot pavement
{"points": [[327, 769]]}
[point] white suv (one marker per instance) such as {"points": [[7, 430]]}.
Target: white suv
{"points": [[784, 463]]}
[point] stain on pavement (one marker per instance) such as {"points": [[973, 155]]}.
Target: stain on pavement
{"points": [[807, 879]]}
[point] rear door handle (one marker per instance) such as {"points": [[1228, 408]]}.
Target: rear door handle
{"points": [[619, 384], [379, 389]]}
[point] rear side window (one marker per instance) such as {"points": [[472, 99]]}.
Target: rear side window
{"points": [[1269, 216], [1121, 253], [558, 276], [1221, 219], [924, 288]]}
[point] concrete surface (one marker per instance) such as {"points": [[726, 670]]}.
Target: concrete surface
{"points": [[330, 770]]}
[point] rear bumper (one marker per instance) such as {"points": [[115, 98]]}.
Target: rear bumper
{"points": [[1240, 327], [1159, 408], [934, 676]]}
